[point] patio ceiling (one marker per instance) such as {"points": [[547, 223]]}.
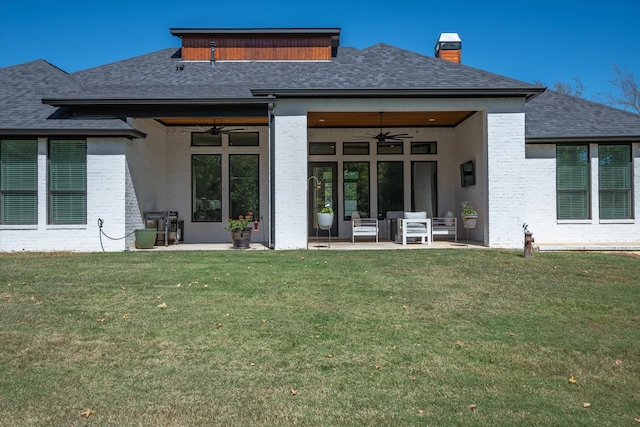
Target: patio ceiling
{"points": [[333, 119], [389, 119]]}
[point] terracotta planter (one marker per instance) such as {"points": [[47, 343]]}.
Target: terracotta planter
{"points": [[241, 239], [470, 221]]}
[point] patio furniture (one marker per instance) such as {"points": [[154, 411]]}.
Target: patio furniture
{"points": [[392, 224], [444, 227], [414, 225], [363, 227]]}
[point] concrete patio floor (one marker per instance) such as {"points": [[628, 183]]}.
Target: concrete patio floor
{"points": [[323, 244]]}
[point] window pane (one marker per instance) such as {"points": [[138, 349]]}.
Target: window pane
{"points": [[424, 194], [244, 185], [572, 181], [424, 147], [390, 187], [318, 148], [390, 147], [614, 172], [206, 177], [246, 139], [206, 139], [356, 189], [18, 182], [355, 148], [67, 182]]}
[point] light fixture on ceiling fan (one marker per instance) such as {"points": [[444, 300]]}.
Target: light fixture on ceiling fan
{"points": [[219, 129], [388, 136]]}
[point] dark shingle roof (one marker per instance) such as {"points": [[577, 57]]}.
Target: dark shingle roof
{"points": [[380, 67], [22, 88], [553, 115]]}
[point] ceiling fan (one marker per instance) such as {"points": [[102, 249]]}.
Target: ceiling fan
{"points": [[388, 136], [216, 129]]}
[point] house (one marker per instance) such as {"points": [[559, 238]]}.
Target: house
{"points": [[281, 122]]}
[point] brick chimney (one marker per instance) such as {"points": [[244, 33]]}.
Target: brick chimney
{"points": [[449, 47]]}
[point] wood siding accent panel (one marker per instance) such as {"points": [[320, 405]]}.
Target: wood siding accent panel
{"points": [[196, 48], [257, 47]]}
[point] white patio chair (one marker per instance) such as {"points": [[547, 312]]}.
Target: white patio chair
{"points": [[363, 227], [414, 225]]}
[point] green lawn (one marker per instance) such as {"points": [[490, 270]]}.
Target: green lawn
{"points": [[424, 337]]}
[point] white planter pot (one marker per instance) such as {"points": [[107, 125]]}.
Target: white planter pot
{"points": [[325, 220]]}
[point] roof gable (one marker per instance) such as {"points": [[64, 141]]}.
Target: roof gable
{"points": [[22, 88], [553, 115]]}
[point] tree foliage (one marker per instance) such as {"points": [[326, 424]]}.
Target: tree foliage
{"points": [[629, 96]]}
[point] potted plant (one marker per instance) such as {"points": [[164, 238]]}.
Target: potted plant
{"points": [[325, 217], [469, 215], [240, 230]]}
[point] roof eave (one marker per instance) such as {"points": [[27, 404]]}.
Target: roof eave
{"points": [[67, 102], [180, 31], [126, 133], [581, 138], [413, 93]]}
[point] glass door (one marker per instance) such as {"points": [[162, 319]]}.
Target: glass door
{"points": [[323, 191]]}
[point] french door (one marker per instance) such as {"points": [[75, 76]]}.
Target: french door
{"points": [[323, 191]]}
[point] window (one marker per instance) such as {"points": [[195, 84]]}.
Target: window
{"points": [[614, 181], [18, 182], [200, 139], [390, 147], [206, 187], [418, 147], [355, 148], [244, 139], [356, 189], [424, 187], [572, 181], [319, 148], [244, 185], [390, 187], [67, 181]]}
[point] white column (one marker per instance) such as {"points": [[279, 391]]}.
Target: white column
{"points": [[290, 182]]}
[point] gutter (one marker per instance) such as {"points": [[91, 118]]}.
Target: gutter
{"points": [[569, 139], [61, 102], [127, 133], [528, 93]]}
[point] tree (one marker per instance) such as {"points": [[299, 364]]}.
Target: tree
{"points": [[576, 89], [629, 97]]}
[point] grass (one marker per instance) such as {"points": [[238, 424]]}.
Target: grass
{"points": [[425, 337]]}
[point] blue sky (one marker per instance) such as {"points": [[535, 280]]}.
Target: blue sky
{"points": [[535, 41]]}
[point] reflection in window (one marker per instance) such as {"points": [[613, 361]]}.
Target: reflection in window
{"points": [[418, 147], [355, 148], [244, 185], [207, 189], [205, 139], [18, 181], [320, 148], [614, 177], [424, 182], [572, 181], [390, 187], [67, 182], [390, 147], [244, 139], [356, 189]]}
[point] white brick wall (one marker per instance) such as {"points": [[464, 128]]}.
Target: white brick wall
{"points": [[290, 181], [506, 178], [105, 199], [541, 204]]}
